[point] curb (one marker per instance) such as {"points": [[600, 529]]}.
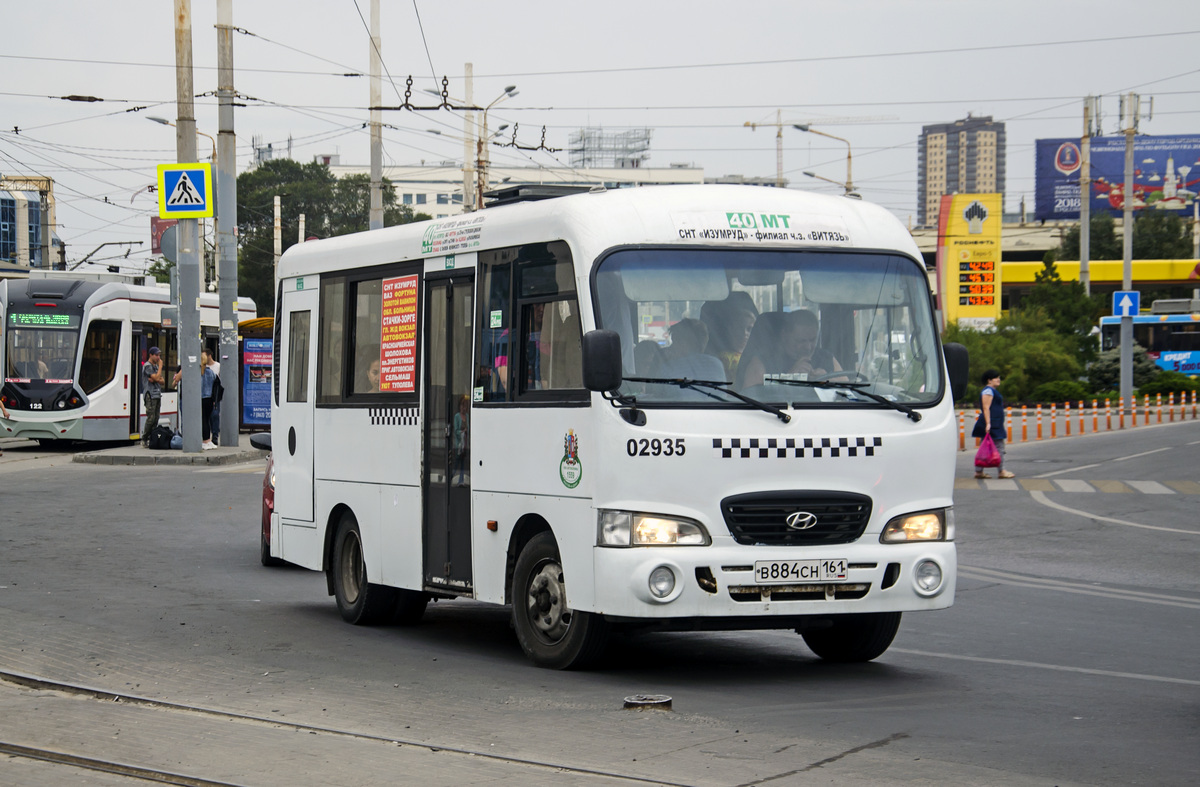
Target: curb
{"points": [[144, 456]]}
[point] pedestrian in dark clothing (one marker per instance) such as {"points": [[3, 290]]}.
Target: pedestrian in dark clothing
{"points": [[152, 381], [991, 420]]}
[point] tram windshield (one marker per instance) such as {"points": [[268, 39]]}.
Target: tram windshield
{"points": [[795, 328], [41, 347]]}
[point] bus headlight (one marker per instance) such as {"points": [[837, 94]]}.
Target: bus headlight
{"points": [[928, 577], [629, 528], [936, 525], [662, 582]]}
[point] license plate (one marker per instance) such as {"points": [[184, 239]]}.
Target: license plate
{"points": [[768, 572]]}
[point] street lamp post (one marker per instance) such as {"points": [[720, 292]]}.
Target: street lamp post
{"points": [[480, 147], [849, 184], [166, 122]]}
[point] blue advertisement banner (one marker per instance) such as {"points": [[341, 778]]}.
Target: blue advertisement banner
{"points": [[1166, 175], [256, 382]]}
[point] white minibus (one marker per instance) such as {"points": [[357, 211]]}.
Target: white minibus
{"points": [[664, 408]]}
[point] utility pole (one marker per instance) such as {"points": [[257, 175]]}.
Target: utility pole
{"points": [[469, 132], [1090, 119], [376, 217], [1130, 110], [188, 235], [278, 239], [226, 220]]}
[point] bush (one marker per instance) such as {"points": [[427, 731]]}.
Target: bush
{"points": [[1061, 391], [1105, 371], [1169, 382]]}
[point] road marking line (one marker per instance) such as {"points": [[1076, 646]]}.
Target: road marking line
{"points": [[1112, 487], [1054, 667], [1041, 583], [1001, 485], [1074, 485], [1186, 487], [1041, 498], [1068, 470], [1038, 484], [1143, 453], [1150, 488]]}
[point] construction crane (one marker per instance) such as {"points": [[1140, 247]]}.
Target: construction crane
{"points": [[825, 121]]}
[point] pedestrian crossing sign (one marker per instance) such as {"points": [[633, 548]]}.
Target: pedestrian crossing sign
{"points": [[185, 191]]}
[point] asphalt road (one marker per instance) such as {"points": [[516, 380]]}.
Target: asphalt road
{"points": [[137, 627]]}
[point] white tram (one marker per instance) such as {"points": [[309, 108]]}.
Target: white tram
{"points": [[72, 350]]}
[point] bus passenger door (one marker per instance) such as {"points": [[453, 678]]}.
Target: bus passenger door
{"points": [[447, 482], [292, 428]]}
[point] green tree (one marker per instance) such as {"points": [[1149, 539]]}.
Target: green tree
{"points": [[1157, 235], [1105, 372], [1026, 350], [161, 270], [1105, 245], [330, 207], [1072, 313]]}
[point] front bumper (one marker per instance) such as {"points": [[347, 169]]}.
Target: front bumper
{"points": [[718, 581]]}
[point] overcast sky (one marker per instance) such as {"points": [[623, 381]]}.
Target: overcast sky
{"points": [[871, 71]]}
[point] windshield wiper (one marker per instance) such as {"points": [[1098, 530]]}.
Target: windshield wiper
{"points": [[858, 388], [719, 385]]}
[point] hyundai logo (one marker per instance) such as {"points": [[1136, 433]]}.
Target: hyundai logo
{"points": [[801, 520]]}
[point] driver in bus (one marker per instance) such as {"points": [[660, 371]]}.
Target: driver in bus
{"points": [[796, 352]]}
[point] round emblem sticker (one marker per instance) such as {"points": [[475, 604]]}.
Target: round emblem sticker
{"points": [[570, 469]]}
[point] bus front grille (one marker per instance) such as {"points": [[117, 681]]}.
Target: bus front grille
{"points": [[787, 518]]}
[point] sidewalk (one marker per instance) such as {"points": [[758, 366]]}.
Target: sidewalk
{"points": [[138, 455]]}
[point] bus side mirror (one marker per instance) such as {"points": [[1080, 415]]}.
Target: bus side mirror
{"points": [[261, 441], [601, 361], [958, 365]]}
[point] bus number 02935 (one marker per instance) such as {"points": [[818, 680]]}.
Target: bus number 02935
{"points": [[655, 447]]}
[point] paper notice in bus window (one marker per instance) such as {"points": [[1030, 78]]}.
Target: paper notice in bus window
{"points": [[398, 335]]}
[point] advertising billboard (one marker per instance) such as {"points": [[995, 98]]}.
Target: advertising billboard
{"points": [[968, 259], [1166, 175]]}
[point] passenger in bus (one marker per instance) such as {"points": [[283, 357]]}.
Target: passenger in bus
{"points": [[461, 425], [785, 344], [685, 356], [373, 375], [729, 322]]}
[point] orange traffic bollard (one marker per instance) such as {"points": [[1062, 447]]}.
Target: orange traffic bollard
{"points": [[1024, 423], [1054, 421], [1108, 414], [962, 432], [1008, 420], [1095, 417], [1038, 409], [1158, 406]]}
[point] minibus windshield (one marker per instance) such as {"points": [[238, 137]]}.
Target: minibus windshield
{"points": [[772, 325]]}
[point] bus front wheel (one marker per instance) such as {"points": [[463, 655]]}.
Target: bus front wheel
{"points": [[359, 601], [551, 634], [854, 638]]}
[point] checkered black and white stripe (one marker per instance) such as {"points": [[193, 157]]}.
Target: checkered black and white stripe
{"points": [[795, 447], [394, 416]]}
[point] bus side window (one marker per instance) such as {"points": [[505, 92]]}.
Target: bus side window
{"points": [[297, 368], [494, 324], [330, 349]]}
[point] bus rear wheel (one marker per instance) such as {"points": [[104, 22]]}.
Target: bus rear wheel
{"points": [[359, 601], [854, 638], [551, 634]]}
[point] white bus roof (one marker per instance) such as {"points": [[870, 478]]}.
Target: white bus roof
{"points": [[712, 215]]}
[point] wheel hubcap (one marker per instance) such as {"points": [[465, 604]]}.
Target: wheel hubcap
{"points": [[545, 602]]}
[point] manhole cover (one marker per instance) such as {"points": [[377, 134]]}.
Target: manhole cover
{"points": [[656, 701]]}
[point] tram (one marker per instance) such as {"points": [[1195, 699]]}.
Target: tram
{"points": [[72, 349]]}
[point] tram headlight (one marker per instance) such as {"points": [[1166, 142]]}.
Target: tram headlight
{"points": [[629, 528], [935, 525]]}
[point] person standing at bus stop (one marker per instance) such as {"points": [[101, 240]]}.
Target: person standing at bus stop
{"points": [[152, 380], [991, 420]]}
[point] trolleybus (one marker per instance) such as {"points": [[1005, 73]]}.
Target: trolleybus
{"points": [[1170, 333], [478, 407], [73, 345]]}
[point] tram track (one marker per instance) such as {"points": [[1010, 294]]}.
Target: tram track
{"points": [[162, 776]]}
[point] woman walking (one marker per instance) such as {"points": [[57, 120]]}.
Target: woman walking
{"points": [[991, 420]]}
